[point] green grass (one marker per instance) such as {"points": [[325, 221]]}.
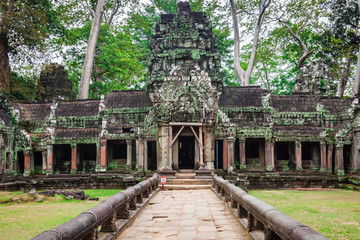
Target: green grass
{"points": [[26, 220], [335, 214]]}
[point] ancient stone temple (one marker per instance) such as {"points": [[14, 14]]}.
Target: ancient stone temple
{"points": [[186, 119]]}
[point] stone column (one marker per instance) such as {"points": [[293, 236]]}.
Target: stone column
{"points": [[242, 153], [209, 150], [44, 164], [269, 154], [170, 150], [323, 156], [27, 163], [146, 157], [200, 148], [73, 158], [50, 158], [225, 155], [330, 158], [103, 163], [298, 157], [231, 152], [262, 153], [163, 147], [140, 162], [355, 157], [340, 159], [129, 153]]}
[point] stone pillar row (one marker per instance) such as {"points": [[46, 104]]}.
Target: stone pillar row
{"points": [[48, 156], [267, 153]]}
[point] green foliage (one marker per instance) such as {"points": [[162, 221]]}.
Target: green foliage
{"points": [[22, 87]]}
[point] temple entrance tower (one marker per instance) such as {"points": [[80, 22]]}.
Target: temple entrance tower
{"points": [[184, 87]]}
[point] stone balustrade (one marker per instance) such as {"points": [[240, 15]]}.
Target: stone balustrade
{"points": [[103, 215], [258, 218]]}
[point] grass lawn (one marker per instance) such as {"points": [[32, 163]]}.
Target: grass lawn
{"points": [[26, 220], [335, 214]]}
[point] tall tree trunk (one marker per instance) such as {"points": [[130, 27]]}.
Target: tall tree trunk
{"points": [[357, 75], [4, 63], [244, 76], [345, 77], [90, 51], [240, 74], [262, 8]]}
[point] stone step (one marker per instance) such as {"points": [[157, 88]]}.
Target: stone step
{"points": [[185, 176], [189, 181], [186, 187]]}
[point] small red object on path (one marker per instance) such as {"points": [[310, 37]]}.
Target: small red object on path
{"points": [[163, 181]]}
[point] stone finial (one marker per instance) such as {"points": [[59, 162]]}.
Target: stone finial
{"points": [[183, 6]]}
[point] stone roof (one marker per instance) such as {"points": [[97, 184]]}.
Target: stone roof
{"points": [[294, 103], [78, 133], [78, 108], [35, 111], [128, 99], [242, 96], [336, 105]]}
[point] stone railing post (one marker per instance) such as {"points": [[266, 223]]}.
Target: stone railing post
{"points": [[123, 212]]}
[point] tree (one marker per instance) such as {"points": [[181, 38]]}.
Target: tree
{"points": [[24, 25], [90, 51], [78, 18], [244, 76], [357, 75], [341, 41]]}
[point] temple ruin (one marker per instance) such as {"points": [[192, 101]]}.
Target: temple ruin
{"points": [[186, 119]]}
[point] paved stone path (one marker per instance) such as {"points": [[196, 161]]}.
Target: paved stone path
{"points": [[184, 214]]}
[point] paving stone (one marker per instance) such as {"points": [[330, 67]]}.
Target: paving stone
{"points": [[184, 214]]}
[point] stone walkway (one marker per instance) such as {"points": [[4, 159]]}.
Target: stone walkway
{"points": [[184, 214]]}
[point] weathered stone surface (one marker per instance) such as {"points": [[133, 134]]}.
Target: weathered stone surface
{"points": [[184, 214]]}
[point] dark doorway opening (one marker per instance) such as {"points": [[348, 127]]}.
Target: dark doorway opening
{"points": [[62, 158], [347, 158], [116, 154], [186, 152], [152, 161], [20, 161], [87, 157], [38, 162], [219, 152]]}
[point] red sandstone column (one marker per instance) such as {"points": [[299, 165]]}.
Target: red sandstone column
{"points": [[129, 153], [225, 155], [50, 158], [242, 153], [27, 162], [103, 154], [330, 157], [140, 163], [340, 159], [298, 157], [323, 156], [73, 158], [262, 153]]}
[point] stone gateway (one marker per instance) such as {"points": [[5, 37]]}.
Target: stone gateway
{"points": [[186, 118]]}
